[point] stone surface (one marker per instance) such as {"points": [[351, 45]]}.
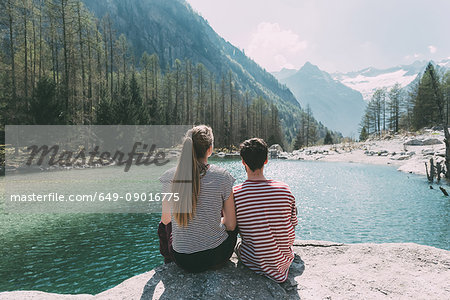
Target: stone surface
{"points": [[332, 271], [276, 147], [414, 142], [432, 142]]}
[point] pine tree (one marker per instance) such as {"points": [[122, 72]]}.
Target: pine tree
{"points": [[104, 111], [446, 92], [299, 141], [121, 113], [363, 135], [328, 139], [438, 97], [395, 100], [136, 115], [426, 110], [44, 108], [153, 106]]}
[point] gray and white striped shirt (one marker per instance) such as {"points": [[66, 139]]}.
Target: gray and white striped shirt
{"points": [[205, 230]]}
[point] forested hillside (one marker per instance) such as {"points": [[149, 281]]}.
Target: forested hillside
{"points": [[425, 103], [172, 30], [135, 62]]}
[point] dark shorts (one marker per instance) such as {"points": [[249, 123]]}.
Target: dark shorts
{"points": [[198, 261]]}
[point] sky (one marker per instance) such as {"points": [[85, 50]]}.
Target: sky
{"points": [[336, 35]]}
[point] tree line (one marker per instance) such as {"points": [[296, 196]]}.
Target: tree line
{"points": [[311, 132], [396, 109], [61, 65], [426, 104]]}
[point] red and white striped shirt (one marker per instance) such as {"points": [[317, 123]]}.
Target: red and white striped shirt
{"points": [[266, 216]]}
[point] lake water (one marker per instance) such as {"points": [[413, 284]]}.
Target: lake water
{"points": [[341, 202]]}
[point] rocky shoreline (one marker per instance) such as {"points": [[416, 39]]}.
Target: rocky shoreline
{"points": [[328, 271], [18, 165], [408, 152]]}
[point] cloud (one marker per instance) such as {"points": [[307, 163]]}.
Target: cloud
{"points": [[281, 61], [432, 49], [274, 47]]}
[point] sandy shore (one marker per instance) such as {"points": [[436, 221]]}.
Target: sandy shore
{"points": [[395, 150], [327, 271]]}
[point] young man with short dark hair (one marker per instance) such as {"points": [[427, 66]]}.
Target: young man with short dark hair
{"points": [[266, 216]]}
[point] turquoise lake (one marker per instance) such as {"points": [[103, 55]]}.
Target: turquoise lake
{"points": [[341, 202]]}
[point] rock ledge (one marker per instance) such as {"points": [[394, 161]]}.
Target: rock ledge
{"points": [[333, 270]]}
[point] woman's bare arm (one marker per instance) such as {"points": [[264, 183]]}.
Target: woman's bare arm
{"points": [[166, 216], [229, 213]]}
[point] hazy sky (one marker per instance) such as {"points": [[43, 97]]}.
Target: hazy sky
{"points": [[337, 35]]}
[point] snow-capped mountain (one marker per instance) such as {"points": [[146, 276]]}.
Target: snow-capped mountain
{"points": [[445, 63], [337, 106], [338, 100], [366, 81]]}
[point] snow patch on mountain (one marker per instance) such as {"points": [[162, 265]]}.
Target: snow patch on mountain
{"points": [[445, 63], [366, 81], [367, 85]]}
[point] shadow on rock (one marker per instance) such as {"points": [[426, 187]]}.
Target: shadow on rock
{"points": [[297, 268], [233, 281]]}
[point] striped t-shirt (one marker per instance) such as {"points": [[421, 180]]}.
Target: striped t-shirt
{"points": [[266, 216], [205, 230]]}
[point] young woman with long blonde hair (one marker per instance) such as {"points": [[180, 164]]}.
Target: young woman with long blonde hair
{"points": [[198, 231]]}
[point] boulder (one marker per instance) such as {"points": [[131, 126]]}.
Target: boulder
{"points": [[276, 147], [369, 153], [220, 154], [413, 142], [401, 157], [432, 142], [382, 153], [441, 153], [426, 152], [297, 152]]}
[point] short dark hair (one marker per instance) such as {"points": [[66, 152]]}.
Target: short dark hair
{"points": [[254, 153]]}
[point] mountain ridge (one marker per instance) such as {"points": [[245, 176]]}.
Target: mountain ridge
{"points": [[334, 104], [369, 79]]}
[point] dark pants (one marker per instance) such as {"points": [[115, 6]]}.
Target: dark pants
{"points": [[198, 261]]}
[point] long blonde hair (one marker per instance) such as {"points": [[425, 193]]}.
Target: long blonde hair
{"points": [[186, 181]]}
